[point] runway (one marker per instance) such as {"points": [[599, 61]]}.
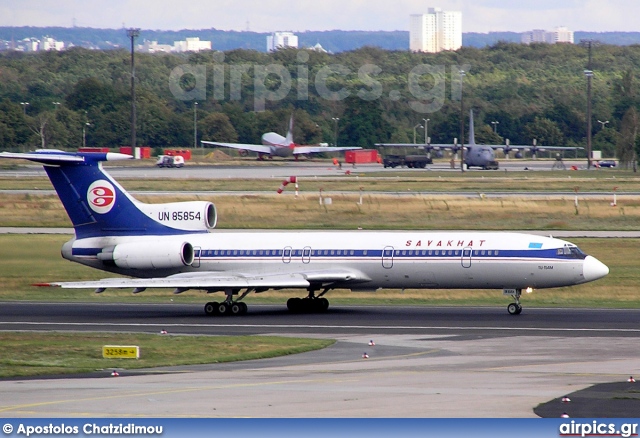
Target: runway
{"points": [[426, 362], [250, 169]]}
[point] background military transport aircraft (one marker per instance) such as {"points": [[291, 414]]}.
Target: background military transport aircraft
{"points": [[275, 145], [174, 245], [482, 156]]}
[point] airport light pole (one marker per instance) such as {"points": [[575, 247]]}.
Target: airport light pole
{"points": [[56, 105], [132, 33], [195, 126], [495, 126], [603, 123], [84, 134], [426, 130], [414, 132], [462, 75], [336, 120], [589, 74], [24, 107]]}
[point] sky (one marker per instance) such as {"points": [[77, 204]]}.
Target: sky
{"points": [[301, 15]]}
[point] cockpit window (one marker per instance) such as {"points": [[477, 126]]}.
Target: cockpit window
{"points": [[572, 252]]}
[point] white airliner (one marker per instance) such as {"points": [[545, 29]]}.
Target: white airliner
{"points": [[275, 145], [173, 245], [481, 155]]}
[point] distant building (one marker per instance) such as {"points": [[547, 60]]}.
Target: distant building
{"points": [[534, 36], [49, 43], [435, 31], [279, 40], [318, 48], [28, 45], [559, 35], [153, 47], [191, 45]]}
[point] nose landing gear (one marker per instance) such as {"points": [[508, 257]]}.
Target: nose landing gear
{"points": [[514, 308]]}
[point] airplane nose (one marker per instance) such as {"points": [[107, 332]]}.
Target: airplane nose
{"points": [[592, 269]]}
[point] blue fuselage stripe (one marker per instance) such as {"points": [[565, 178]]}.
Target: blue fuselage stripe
{"points": [[342, 254]]}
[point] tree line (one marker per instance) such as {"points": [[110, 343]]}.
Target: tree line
{"points": [[365, 96]]}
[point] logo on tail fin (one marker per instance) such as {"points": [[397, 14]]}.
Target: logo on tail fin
{"points": [[101, 196]]}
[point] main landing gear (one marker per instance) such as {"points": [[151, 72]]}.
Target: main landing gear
{"points": [[515, 308], [234, 308], [309, 304], [229, 306]]}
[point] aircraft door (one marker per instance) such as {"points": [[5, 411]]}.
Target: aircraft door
{"points": [[306, 254], [387, 257], [466, 257], [286, 254]]}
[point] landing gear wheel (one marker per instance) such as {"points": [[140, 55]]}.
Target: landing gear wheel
{"points": [[323, 304], [294, 304], [210, 309], [223, 308], [514, 309], [243, 308]]}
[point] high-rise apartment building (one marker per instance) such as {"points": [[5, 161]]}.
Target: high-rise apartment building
{"points": [[435, 31], [558, 35], [279, 40]]}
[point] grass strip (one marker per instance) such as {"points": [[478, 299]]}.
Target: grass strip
{"points": [[28, 354]]}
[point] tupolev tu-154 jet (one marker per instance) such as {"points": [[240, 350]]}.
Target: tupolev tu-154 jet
{"points": [[275, 145], [175, 245]]}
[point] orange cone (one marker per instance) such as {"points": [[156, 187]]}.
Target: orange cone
{"points": [[114, 374]]}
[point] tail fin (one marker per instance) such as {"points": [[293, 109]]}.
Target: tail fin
{"points": [[472, 135], [289, 139], [96, 204]]}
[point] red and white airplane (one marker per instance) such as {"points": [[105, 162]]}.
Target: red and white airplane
{"points": [[275, 145]]}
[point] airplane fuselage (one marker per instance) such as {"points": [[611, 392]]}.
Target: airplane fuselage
{"points": [[479, 156], [415, 259], [278, 145]]}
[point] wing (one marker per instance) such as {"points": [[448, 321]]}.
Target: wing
{"points": [[552, 148], [427, 147], [215, 281], [318, 149], [246, 147], [524, 147]]}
